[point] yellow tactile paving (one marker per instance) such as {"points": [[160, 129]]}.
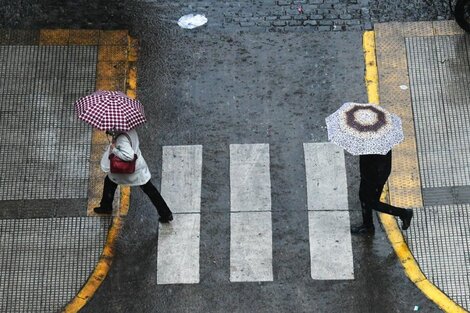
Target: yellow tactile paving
{"points": [[404, 182], [84, 37], [404, 186], [443, 28], [54, 37], [413, 29], [104, 83], [110, 70], [114, 38], [112, 53]]}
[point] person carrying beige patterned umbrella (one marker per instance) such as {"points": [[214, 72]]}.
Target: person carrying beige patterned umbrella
{"points": [[369, 131]]}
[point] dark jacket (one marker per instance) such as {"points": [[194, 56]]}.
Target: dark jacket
{"points": [[375, 168]]}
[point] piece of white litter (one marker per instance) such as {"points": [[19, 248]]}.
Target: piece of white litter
{"points": [[403, 87], [416, 308], [191, 21]]}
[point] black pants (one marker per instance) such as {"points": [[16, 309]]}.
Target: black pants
{"points": [[110, 188], [369, 194]]}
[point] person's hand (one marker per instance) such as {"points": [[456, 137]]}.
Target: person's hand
{"points": [[113, 145]]}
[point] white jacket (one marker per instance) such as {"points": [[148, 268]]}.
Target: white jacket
{"points": [[125, 151]]}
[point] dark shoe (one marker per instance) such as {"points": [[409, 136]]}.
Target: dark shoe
{"points": [[406, 220], [166, 219], [363, 230], [101, 210]]}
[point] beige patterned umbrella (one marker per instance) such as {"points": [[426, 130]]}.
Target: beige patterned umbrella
{"points": [[364, 128]]}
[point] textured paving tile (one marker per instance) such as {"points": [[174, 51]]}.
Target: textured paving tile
{"points": [[44, 262], [48, 147], [424, 77]]}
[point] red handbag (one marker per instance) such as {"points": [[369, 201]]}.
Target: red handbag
{"points": [[119, 166]]}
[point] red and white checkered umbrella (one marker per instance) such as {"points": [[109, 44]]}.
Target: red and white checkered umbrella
{"points": [[110, 110]]}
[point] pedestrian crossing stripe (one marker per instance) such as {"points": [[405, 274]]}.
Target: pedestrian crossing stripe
{"points": [[328, 216], [178, 242], [250, 218], [251, 257]]}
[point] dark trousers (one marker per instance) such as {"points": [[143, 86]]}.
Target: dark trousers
{"points": [[110, 188], [369, 194]]}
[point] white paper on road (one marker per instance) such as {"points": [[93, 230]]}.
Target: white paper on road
{"points": [[191, 21], [328, 217], [250, 218], [178, 242]]}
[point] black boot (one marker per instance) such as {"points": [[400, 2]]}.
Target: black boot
{"points": [[106, 204], [103, 210], [162, 208], [363, 229], [166, 219], [406, 219]]}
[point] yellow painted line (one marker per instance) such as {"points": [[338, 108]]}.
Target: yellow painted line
{"points": [[394, 234], [372, 73], [104, 263]]}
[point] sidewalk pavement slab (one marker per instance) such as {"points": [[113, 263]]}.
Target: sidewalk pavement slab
{"points": [[424, 76], [49, 245]]}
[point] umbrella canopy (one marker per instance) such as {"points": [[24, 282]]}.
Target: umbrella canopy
{"points": [[364, 128], [110, 110]]}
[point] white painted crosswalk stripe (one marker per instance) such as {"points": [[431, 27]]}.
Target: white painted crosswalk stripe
{"points": [[251, 234], [250, 181], [330, 245], [178, 250], [326, 177], [250, 218], [251, 247], [182, 178], [178, 242], [329, 227]]}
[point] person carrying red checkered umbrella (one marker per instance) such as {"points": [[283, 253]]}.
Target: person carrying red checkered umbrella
{"points": [[118, 115]]}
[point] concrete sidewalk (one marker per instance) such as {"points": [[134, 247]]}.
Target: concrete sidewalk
{"points": [[424, 75], [49, 245]]}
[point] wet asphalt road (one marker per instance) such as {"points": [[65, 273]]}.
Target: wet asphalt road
{"points": [[214, 88]]}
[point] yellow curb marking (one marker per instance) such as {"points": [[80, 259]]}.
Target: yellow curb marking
{"points": [[104, 263], [394, 234], [372, 73]]}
